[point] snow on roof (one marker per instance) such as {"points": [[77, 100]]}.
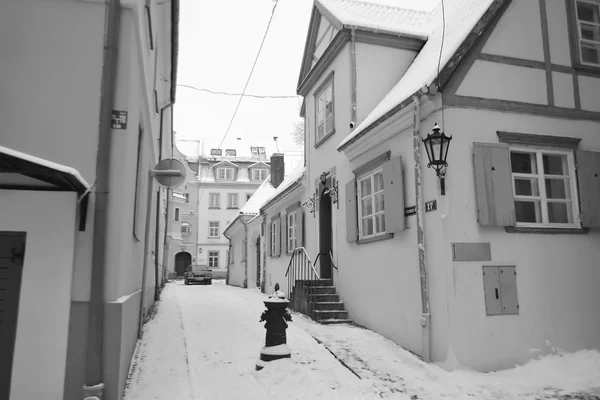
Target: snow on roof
{"points": [[460, 18], [379, 16], [48, 164], [265, 193], [294, 175]]}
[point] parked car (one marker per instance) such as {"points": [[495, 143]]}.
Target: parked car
{"points": [[198, 274]]}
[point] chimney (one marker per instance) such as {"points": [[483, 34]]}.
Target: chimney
{"points": [[277, 169]]}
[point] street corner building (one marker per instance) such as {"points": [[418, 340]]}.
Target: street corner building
{"points": [[491, 255], [86, 118]]}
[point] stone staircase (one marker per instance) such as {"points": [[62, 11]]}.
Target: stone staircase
{"points": [[318, 300]]}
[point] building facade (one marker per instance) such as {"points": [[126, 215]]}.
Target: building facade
{"points": [[225, 183], [501, 264], [182, 237], [85, 120]]}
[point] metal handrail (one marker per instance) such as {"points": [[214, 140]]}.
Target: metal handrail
{"points": [[302, 268], [307, 257], [330, 254]]}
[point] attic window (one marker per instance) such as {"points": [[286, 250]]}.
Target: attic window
{"points": [[216, 152], [254, 152], [258, 152], [230, 152]]}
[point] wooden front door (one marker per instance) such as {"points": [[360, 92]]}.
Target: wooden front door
{"points": [[12, 252]]}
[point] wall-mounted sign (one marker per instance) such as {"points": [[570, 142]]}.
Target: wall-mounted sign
{"points": [[412, 210], [119, 119], [431, 205]]}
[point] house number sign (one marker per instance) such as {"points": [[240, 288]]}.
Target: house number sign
{"points": [[431, 205]]}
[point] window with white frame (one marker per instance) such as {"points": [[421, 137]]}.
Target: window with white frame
{"points": [[185, 228], [232, 200], [213, 229], [544, 187], [587, 14], [324, 111], [214, 200], [213, 259], [292, 240], [274, 232], [259, 174], [371, 207], [254, 151], [262, 153], [225, 173]]}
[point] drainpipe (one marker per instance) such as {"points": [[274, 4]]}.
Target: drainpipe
{"points": [[94, 385], [228, 258], [245, 250], [353, 66], [425, 311], [145, 257], [158, 279]]}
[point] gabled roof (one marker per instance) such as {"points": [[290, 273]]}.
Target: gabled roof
{"points": [[293, 178], [227, 162], [375, 16], [464, 22], [259, 164], [383, 16]]}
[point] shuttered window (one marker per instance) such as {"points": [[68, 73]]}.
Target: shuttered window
{"points": [[275, 236], [532, 186], [375, 199]]}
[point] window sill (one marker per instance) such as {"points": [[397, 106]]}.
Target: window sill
{"points": [[588, 68], [324, 138], [545, 230], [214, 208], [233, 208], [376, 238], [214, 237]]}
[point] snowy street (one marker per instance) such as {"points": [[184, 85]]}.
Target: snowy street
{"points": [[204, 341]]}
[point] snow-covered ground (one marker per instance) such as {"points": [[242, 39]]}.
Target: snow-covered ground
{"points": [[204, 342]]}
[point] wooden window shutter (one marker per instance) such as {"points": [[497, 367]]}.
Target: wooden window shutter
{"points": [[493, 184], [286, 234], [317, 196], [351, 212], [588, 180], [300, 229], [278, 246], [393, 186]]}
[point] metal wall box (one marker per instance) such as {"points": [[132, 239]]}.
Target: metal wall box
{"points": [[471, 251], [500, 290]]}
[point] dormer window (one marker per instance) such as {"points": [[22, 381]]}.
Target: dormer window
{"points": [[225, 173], [259, 174]]}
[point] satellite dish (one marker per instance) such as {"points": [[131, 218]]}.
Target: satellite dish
{"points": [[169, 173]]}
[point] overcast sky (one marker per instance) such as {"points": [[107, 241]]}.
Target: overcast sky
{"points": [[219, 41]]}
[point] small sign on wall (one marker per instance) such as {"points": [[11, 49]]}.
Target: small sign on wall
{"points": [[119, 119], [408, 211], [431, 205]]}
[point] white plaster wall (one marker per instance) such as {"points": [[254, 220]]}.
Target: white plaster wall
{"points": [[43, 322], [518, 33], [326, 156], [588, 92], [557, 275], [378, 69], [253, 234], [510, 83], [558, 32], [237, 272], [277, 266], [51, 82], [386, 272], [564, 95]]}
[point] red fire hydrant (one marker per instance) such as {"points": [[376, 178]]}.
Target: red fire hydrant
{"points": [[275, 316]]}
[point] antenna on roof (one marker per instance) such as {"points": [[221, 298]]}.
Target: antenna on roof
{"points": [[277, 144]]}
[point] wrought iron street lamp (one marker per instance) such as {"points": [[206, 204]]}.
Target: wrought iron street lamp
{"points": [[436, 145]]}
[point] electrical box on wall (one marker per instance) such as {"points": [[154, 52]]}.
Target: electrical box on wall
{"points": [[500, 290]]}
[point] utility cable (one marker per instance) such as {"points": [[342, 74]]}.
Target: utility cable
{"points": [[250, 75], [440, 58], [257, 96]]}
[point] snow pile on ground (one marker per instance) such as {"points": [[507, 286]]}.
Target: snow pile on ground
{"points": [[219, 326]]}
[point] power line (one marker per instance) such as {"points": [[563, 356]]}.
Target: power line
{"points": [[250, 75], [257, 96]]}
